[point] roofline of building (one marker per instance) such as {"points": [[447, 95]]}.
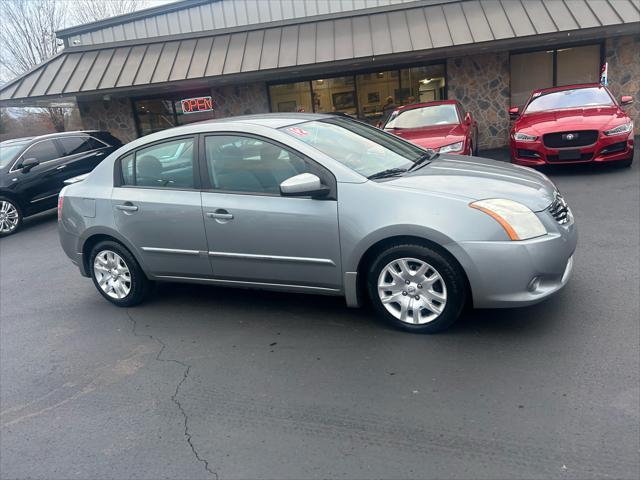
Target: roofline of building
{"points": [[300, 73], [128, 17], [88, 27]]}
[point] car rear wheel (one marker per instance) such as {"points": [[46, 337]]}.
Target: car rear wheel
{"points": [[117, 275], [10, 217], [416, 288]]}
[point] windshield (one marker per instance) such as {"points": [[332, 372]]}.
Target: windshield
{"points": [[361, 147], [576, 98], [9, 152], [424, 116]]}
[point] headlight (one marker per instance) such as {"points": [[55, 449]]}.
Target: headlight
{"points": [[453, 147], [523, 137], [620, 129], [519, 221]]}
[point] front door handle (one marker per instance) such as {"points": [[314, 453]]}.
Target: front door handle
{"points": [[220, 214], [127, 207]]}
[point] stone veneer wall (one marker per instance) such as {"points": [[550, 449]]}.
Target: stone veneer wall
{"points": [[240, 99], [623, 55], [481, 84], [115, 116]]}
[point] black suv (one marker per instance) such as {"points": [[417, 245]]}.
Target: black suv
{"points": [[33, 170]]}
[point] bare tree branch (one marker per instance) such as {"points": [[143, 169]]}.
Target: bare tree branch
{"points": [[86, 11]]}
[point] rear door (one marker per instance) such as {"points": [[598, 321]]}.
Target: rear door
{"points": [[82, 154], [39, 187], [157, 207]]}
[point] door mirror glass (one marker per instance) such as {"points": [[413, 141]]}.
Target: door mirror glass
{"points": [[626, 100], [303, 185], [514, 111], [28, 164]]}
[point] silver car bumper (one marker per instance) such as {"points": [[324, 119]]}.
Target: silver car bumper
{"points": [[513, 274]]}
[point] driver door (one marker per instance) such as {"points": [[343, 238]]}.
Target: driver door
{"points": [[254, 234], [41, 184]]}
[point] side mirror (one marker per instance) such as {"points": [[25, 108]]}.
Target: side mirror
{"points": [[626, 100], [28, 164], [303, 185], [467, 119], [514, 112]]}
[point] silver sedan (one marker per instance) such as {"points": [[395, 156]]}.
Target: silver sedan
{"points": [[319, 204]]}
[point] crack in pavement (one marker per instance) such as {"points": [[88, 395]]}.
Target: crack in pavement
{"points": [[174, 397]]}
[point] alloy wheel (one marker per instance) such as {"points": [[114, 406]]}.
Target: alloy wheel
{"points": [[112, 274], [9, 217], [412, 291]]}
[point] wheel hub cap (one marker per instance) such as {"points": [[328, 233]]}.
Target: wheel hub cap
{"points": [[8, 217], [412, 291], [112, 274]]}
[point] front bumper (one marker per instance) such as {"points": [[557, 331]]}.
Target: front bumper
{"points": [[606, 149], [512, 274]]}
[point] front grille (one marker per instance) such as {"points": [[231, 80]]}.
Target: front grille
{"points": [[556, 158], [560, 210], [578, 138]]}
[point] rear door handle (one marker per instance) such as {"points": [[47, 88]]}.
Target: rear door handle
{"points": [[61, 167], [99, 154], [127, 207], [220, 214]]}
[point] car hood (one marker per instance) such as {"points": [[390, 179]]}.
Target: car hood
{"points": [[478, 179], [434, 136], [591, 118]]}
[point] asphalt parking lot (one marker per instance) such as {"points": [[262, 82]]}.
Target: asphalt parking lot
{"points": [[204, 382]]}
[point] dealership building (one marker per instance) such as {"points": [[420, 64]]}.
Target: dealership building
{"points": [[197, 59]]}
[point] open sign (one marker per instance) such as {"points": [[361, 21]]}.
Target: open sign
{"points": [[198, 104]]}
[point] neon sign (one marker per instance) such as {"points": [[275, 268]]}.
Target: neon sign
{"points": [[197, 104]]}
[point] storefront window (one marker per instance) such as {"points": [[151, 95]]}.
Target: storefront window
{"points": [[291, 97], [155, 114], [423, 84], [533, 70], [578, 65], [335, 95], [368, 96]]}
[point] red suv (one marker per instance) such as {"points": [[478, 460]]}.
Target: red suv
{"points": [[572, 124]]}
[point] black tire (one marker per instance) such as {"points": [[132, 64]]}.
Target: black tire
{"points": [[450, 273], [18, 210], [140, 286]]}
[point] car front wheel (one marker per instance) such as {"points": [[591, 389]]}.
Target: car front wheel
{"points": [[416, 288], [10, 217], [117, 275]]}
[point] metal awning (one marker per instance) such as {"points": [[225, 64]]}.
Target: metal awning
{"points": [[271, 51]]}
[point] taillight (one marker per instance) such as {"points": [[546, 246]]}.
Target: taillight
{"points": [[60, 201]]}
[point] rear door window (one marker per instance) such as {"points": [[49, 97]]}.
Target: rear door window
{"points": [[74, 145], [164, 165]]}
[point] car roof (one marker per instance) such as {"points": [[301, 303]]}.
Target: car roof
{"points": [[567, 87], [17, 140], [50, 135], [272, 120], [411, 106]]}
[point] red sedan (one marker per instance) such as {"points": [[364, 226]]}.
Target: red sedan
{"points": [[440, 126], [572, 124]]}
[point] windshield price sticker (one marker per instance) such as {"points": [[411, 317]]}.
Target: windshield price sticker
{"points": [[298, 131]]}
